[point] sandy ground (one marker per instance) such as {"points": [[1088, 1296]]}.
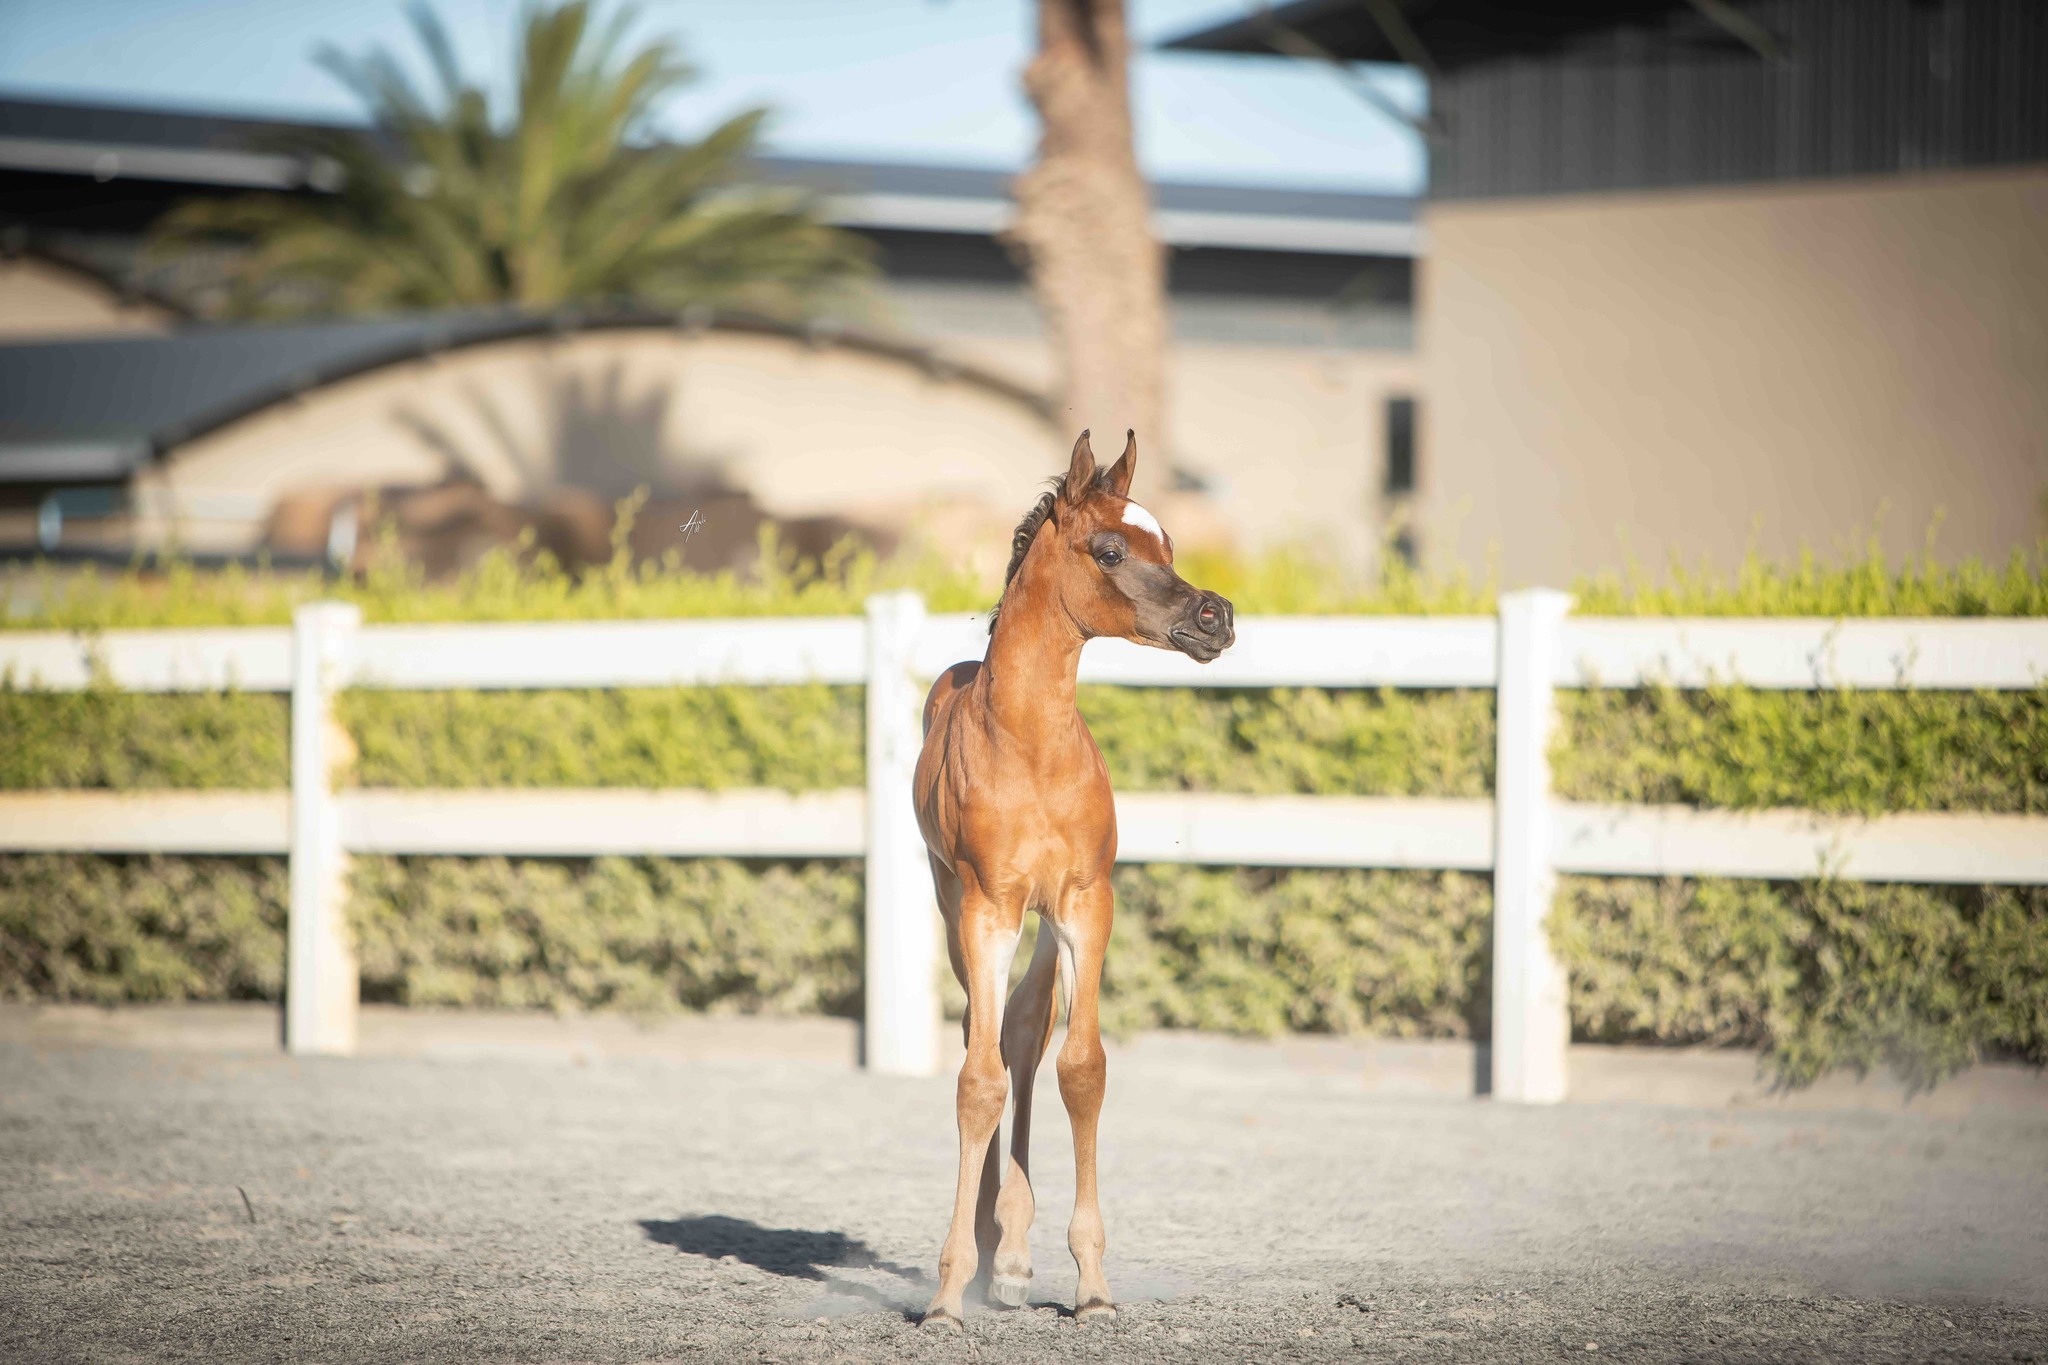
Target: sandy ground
{"points": [[481, 1203]]}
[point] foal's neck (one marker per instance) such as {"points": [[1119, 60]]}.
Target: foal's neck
{"points": [[1033, 659]]}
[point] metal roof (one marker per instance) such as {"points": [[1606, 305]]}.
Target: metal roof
{"points": [[108, 142], [977, 200], [1593, 96], [1454, 33]]}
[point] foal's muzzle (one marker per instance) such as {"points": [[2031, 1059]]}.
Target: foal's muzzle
{"points": [[1207, 630]]}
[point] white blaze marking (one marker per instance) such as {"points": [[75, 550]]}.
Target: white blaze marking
{"points": [[1135, 515]]}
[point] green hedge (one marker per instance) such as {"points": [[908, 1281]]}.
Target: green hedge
{"points": [[507, 585], [810, 738], [1325, 742], [1847, 751], [135, 741], [1261, 952], [1727, 747], [1245, 952], [1820, 975], [1733, 748], [795, 738], [609, 933], [114, 929], [519, 585]]}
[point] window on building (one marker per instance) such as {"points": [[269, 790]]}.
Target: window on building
{"points": [[1397, 483]]}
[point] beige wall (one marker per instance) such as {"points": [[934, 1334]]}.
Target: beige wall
{"points": [[1288, 438], [1283, 423], [1695, 372], [40, 299], [805, 430]]}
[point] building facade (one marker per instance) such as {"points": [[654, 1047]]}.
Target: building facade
{"points": [[1703, 279], [929, 407]]}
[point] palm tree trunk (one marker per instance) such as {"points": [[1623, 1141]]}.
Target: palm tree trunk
{"points": [[1084, 232]]}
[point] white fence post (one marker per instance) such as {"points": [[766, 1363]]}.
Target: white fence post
{"points": [[901, 1033], [1531, 1012], [322, 988]]}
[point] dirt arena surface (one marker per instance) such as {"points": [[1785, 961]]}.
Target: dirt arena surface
{"points": [[483, 1204]]}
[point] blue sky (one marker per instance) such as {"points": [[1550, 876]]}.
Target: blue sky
{"points": [[910, 80]]}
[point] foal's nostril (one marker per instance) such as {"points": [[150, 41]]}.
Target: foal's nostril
{"points": [[1212, 615]]}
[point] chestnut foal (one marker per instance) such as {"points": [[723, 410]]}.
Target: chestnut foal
{"points": [[1015, 807]]}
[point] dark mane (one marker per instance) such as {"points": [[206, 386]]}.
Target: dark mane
{"points": [[1027, 529], [1020, 544]]}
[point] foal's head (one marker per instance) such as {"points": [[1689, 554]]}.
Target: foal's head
{"points": [[1109, 565]]}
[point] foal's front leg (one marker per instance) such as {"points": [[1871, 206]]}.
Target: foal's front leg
{"points": [[987, 941]]}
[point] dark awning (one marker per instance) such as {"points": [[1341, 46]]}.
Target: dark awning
{"points": [[1454, 33]]}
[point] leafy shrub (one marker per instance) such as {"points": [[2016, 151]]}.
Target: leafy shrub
{"points": [[1266, 952], [810, 738], [109, 929], [1821, 974], [517, 585], [1845, 751], [1307, 739], [1735, 748], [644, 934], [1728, 747], [507, 585], [1262, 952], [1856, 585], [137, 740], [795, 738]]}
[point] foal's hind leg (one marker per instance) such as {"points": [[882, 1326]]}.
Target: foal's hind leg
{"points": [[1027, 1028], [1084, 938]]}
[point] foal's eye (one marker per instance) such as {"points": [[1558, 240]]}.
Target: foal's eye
{"points": [[1109, 559]]}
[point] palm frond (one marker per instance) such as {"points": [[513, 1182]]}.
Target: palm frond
{"points": [[564, 199]]}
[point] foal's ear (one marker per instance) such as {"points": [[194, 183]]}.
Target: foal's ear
{"points": [[1126, 465], [1080, 473]]}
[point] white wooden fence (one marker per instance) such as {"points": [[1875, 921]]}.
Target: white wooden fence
{"points": [[1524, 835]]}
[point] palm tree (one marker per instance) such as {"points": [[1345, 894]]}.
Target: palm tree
{"points": [[444, 204], [1084, 231]]}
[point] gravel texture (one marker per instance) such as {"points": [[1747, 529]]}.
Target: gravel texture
{"points": [[546, 1207]]}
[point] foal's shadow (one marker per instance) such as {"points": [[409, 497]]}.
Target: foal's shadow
{"points": [[794, 1253]]}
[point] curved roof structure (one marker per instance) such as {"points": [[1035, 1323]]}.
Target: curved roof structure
{"points": [[97, 410], [109, 142]]}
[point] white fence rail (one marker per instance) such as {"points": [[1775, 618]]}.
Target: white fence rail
{"points": [[1524, 836], [1154, 827]]}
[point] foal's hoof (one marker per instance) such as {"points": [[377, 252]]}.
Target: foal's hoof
{"points": [[1095, 1310], [1007, 1291], [939, 1320]]}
